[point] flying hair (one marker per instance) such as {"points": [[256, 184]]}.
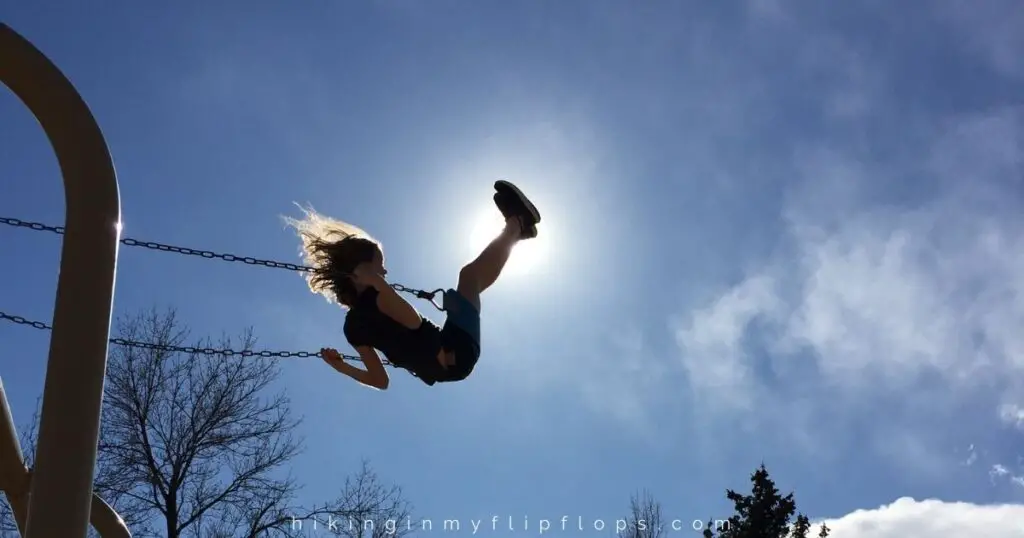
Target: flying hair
{"points": [[332, 249]]}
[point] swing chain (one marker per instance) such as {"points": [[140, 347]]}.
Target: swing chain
{"points": [[33, 225], [165, 248], [209, 255], [420, 294], [22, 321], [429, 296], [183, 349]]}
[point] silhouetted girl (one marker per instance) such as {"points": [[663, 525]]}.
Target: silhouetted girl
{"points": [[348, 268]]}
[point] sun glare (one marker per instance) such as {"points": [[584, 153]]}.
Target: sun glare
{"points": [[527, 255]]}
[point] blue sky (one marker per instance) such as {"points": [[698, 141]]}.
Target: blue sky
{"points": [[773, 231]]}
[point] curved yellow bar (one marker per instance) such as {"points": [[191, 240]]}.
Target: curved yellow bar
{"points": [[16, 479], [69, 427]]}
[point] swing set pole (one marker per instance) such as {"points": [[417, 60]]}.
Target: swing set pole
{"points": [[61, 494]]}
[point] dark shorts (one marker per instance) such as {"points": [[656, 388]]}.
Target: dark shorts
{"points": [[461, 335]]}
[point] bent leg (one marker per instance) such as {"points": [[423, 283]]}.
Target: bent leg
{"points": [[461, 337]]}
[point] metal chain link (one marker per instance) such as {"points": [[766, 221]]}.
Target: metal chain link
{"points": [[426, 295], [165, 248], [184, 349], [429, 296]]}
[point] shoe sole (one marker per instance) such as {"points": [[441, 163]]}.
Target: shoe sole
{"points": [[522, 197]]}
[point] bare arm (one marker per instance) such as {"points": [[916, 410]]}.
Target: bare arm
{"points": [[394, 306], [375, 375]]}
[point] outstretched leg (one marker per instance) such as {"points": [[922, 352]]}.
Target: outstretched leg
{"points": [[521, 218], [481, 273]]}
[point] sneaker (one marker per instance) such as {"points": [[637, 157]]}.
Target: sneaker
{"points": [[513, 203]]}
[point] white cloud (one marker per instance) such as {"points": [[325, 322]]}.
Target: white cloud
{"points": [[877, 293], [1000, 473], [871, 297], [1012, 414], [931, 518], [972, 457], [712, 340]]}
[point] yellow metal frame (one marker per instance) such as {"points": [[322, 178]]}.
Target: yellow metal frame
{"points": [[56, 499]]}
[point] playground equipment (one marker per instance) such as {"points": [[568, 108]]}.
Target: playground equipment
{"points": [[56, 499], [16, 480]]}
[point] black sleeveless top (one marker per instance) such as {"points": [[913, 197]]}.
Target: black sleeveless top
{"points": [[414, 350]]}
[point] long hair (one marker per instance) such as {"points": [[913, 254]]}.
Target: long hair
{"points": [[332, 249]]}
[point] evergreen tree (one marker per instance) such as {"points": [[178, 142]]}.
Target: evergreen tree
{"points": [[763, 514]]}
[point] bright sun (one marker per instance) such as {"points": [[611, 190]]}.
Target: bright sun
{"points": [[527, 254]]}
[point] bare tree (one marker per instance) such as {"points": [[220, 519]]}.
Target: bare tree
{"points": [[27, 435], [365, 508], [8, 528], [371, 509], [185, 436], [644, 519], [193, 445]]}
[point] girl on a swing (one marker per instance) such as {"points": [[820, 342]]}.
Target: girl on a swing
{"points": [[348, 268]]}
